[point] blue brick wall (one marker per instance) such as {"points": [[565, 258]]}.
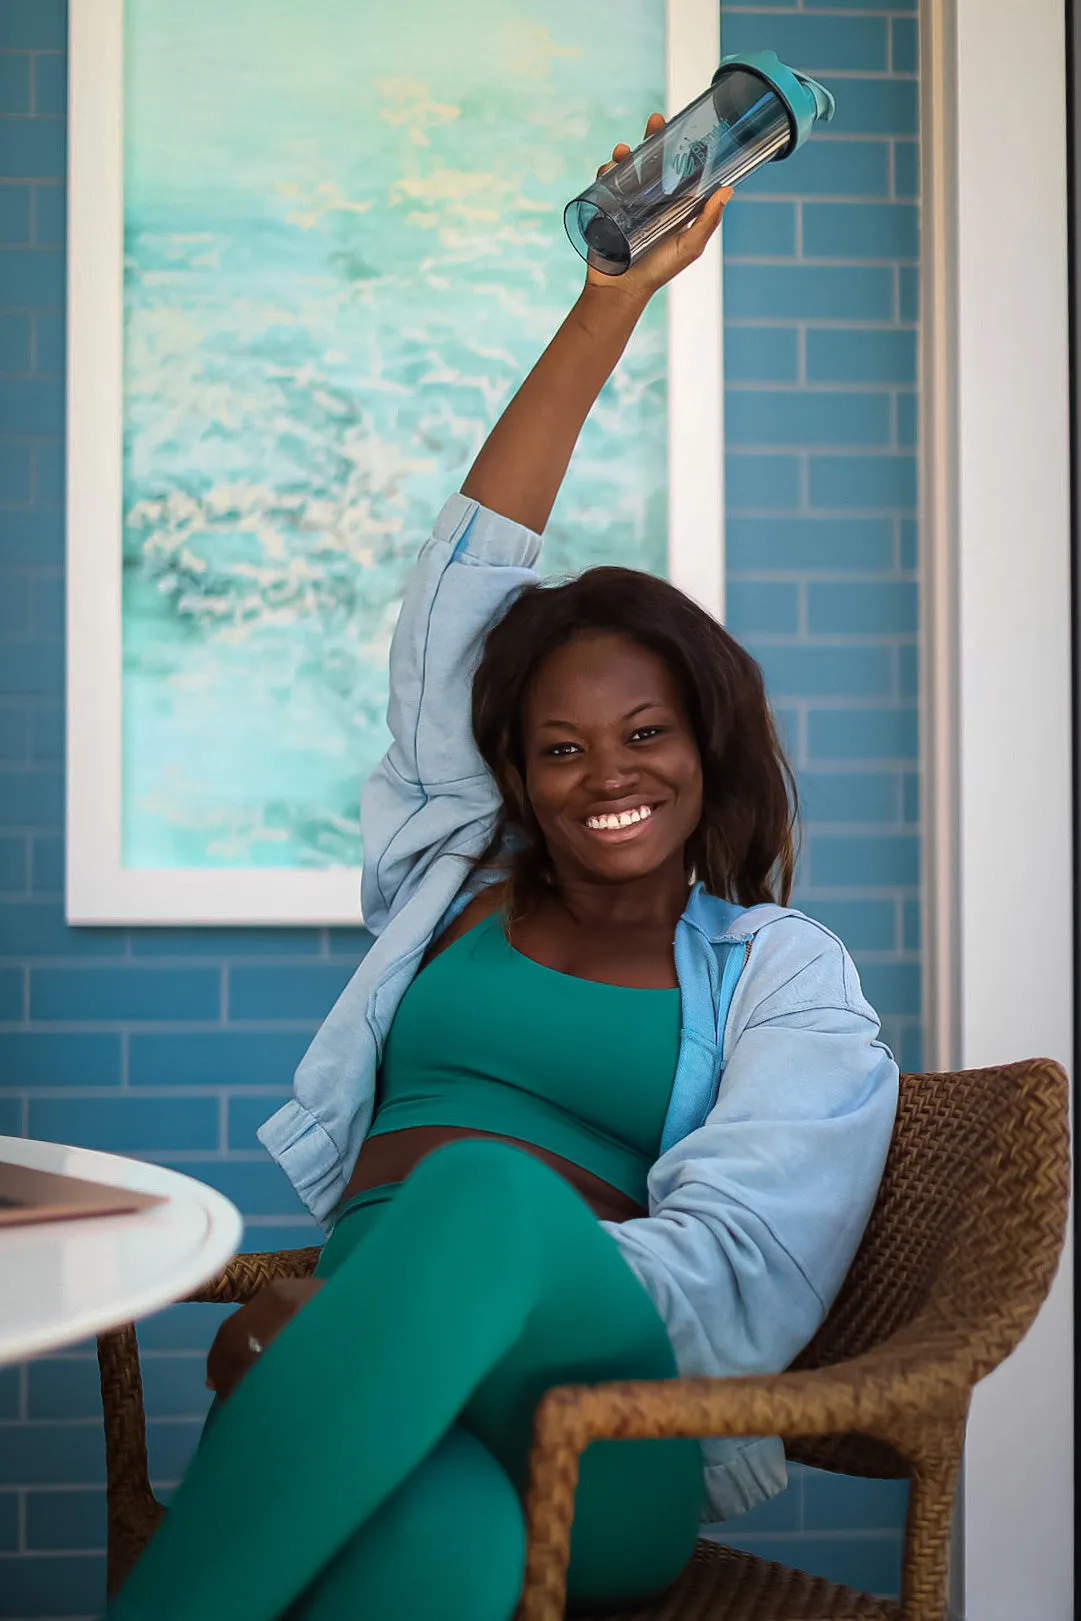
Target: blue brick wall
{"points": [[175, 1043], [821, 265], [820, 341]]}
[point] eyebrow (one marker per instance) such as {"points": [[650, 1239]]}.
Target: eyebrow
{"points": [[570, 725]]}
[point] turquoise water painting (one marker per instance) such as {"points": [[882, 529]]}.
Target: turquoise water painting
{"points": [[344, 248]]}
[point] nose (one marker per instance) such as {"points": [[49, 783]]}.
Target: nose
{"points": [[612, 770]]}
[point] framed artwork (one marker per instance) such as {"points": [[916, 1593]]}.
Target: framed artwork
{"points": [[314, 247]]}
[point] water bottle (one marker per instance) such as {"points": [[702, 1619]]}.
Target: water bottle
{"points": [[755, 110]]}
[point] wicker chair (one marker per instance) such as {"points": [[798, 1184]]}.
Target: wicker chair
{"points": [[958, 1256]]}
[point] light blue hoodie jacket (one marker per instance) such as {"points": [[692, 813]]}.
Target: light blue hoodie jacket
{"points": [[783, 1101]]}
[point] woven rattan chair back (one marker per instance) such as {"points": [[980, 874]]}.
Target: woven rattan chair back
{"points": [[963, 1224]]}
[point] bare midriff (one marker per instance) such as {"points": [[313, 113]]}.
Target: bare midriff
{"points": [[393, 1155]]}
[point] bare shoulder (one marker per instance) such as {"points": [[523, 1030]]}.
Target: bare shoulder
{"points": [[481, 906]]}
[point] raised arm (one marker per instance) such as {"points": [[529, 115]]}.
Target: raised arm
{"points": [[431, 794], [522, 464]]}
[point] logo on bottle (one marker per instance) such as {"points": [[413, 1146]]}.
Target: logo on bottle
{"points": [[695, 155]]}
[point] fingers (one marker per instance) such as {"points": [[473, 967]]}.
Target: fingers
{"points": [[261, 1320], [228, 1360], [232, 1353], [621, 150], [692, 241]]}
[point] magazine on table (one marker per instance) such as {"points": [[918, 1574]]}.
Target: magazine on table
{"points": [[28, 1195]]}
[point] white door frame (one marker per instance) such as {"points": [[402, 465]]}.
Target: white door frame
{"points": [[997, 690]]}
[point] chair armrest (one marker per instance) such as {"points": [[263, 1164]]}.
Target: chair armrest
{"points": [[245, 1275], [896, 1384], [912, 1391]]}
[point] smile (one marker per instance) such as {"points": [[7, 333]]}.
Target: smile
{"points": [[624, 824]]}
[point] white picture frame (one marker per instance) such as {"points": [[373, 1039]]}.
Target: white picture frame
{"points": [[100, 888]]}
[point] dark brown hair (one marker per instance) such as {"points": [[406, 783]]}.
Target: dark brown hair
{"points": [[744, 846]]}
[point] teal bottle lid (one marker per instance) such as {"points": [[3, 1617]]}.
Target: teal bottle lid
{"points": [[805, 99]]}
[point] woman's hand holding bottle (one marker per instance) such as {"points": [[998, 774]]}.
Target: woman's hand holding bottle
{"points": [[669, 257], [522, 463]]}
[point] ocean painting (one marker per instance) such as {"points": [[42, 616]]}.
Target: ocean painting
{"points": [[344, 248]]}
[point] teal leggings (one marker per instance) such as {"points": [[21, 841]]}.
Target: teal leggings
{"points": [[372, 1461]]}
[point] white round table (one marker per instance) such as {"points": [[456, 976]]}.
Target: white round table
{"points": [[61, 1281]]}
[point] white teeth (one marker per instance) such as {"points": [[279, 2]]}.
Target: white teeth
{"points": [[623, 819]]}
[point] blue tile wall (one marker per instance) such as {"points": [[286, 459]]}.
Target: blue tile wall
{"points": [[821, 314], [174, 1043], [844, 1529]]}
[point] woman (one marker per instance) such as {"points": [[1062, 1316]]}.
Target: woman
{"points": [[630, 1114]]}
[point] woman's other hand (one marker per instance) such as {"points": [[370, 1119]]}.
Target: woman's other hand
{"points": [[669, 257], [245, 1335]]}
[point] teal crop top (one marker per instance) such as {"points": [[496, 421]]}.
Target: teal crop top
{"points": [[487, 1039]]}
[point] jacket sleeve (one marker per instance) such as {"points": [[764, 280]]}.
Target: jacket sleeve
{"points": [[432, 793], [756, 1216]]}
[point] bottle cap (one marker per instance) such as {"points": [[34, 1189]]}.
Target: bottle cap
{"points": [[805, 100]]}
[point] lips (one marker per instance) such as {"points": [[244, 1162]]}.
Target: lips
{"points": [[610, 820], [618, 826]]}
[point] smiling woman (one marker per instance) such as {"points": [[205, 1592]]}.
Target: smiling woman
{"points": [[616, 790], [616, 694], [595, 1106]]}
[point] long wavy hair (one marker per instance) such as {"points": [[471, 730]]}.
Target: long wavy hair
{"points": [[743, 848]]}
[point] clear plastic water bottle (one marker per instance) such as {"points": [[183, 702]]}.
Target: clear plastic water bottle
{"points": [[755, 110]]}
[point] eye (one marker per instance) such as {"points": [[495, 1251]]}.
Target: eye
{"points": [[645, 733], [562, 751]]}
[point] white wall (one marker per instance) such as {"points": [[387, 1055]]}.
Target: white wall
{"points": [[1014, 840]]}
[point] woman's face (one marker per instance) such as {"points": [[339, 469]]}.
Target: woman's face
{"points": [[612, 767]]}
